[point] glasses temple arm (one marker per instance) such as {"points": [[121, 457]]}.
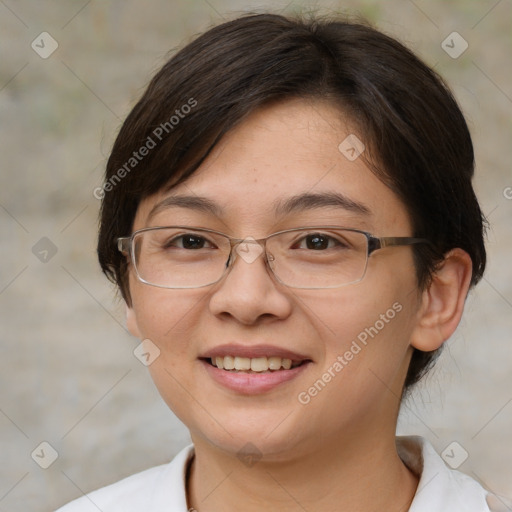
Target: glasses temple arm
{"points": [[375, 243], [123, 244]]}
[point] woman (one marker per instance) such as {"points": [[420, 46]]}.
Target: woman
{"points": [[289, 216]]}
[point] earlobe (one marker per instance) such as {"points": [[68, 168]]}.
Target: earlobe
{"points": [[442, 303], [131, 322]]}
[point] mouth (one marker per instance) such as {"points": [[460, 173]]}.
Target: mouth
{"points": [[263, 364], [255, 369]]}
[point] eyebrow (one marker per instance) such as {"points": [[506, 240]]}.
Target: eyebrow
{"points": [[311, 201], [301, 202], [197, 203]]}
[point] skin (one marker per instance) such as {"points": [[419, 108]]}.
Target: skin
{"points": [[338, 451]]}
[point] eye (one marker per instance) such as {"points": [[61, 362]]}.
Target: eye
{"points": [[188, 241], [317, 242]]}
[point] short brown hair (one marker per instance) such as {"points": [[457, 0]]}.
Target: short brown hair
{"points": [[415, 134]]}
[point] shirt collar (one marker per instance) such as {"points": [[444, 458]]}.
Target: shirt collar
{"points": [[170, 488], [440, 488]]}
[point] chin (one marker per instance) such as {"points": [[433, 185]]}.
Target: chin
{"points": [[262, 434]]}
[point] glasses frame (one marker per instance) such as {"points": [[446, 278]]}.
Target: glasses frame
{"points": [[374, 243]]}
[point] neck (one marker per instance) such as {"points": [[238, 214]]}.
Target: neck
{"points": [[360, 472]]}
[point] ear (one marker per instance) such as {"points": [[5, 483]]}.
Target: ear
{"points": [[442, 303], [131, 322]]}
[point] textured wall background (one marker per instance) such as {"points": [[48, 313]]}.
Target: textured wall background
{"points": [[68, 373]]}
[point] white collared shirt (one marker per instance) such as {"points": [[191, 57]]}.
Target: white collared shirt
{"points": [[163, 488]]}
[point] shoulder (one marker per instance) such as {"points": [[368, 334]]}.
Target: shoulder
{"points": [[127, 494], [142, 491], [440, 487]]}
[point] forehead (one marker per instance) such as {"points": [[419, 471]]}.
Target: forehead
{"points": [[288, 150]]}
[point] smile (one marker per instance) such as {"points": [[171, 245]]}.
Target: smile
{"points": [[254, 369], [255, 364]]}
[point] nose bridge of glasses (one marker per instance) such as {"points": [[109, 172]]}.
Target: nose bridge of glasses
{"points": [[249, 249]]}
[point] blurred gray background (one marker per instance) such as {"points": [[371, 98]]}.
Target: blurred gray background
{"points": [[68, 374]]}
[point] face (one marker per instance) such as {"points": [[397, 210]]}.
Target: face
{"points": [[351, 343]]}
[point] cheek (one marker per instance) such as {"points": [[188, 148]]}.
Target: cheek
{"points": [[169, 318], [382, 303], [366, 327], [353, 318], [365, 358], [163, 314]]}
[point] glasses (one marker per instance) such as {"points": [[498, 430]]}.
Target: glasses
{"points": [[315, 257]]}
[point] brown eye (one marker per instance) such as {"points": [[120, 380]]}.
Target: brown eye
{"points": [[189, 241], [317, 242]]}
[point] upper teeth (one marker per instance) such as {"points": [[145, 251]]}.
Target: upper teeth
{"points": [[256, 364]]}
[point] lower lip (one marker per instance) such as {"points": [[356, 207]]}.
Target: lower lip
{"points": [[252, 383]]}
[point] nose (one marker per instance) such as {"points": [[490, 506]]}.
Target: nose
{"points": [[249, 292]]}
